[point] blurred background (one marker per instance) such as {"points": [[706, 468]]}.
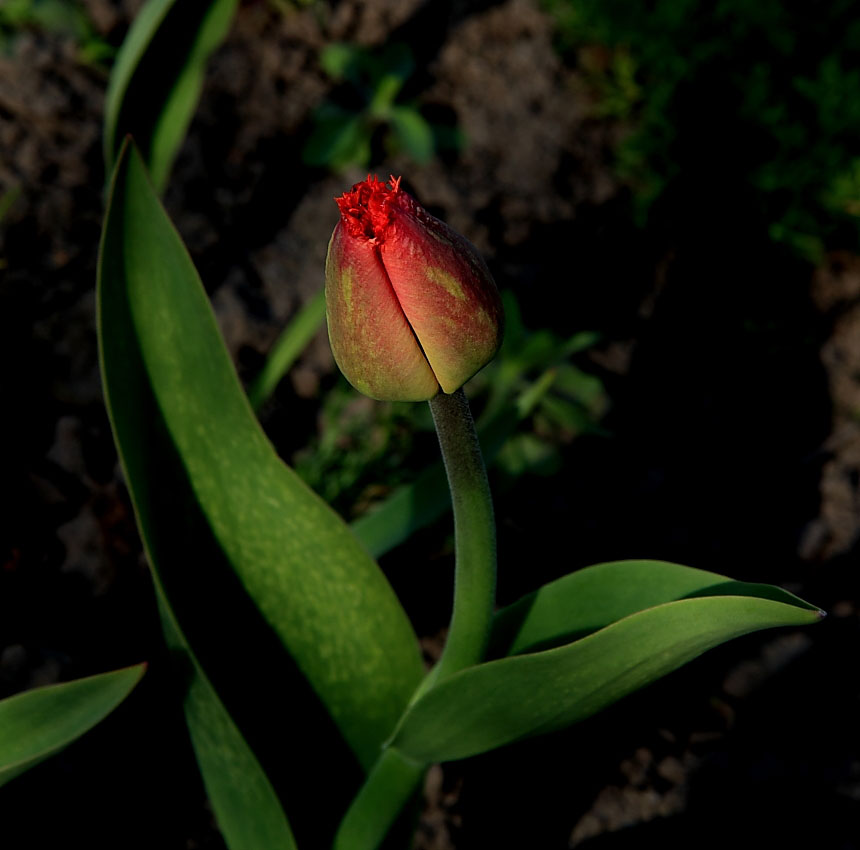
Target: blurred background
{"points": [[668, 194]]}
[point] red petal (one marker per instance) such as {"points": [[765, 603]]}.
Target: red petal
{"points": [[445, 290], [372, 341]]}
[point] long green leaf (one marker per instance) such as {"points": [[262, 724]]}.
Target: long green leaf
{"points": [[591, 598], [37, 724], [246, 807], [310, 578], [494, 704], [158, 75]]}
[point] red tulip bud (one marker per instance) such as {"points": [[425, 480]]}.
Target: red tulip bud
{"points": [[411, 305]]}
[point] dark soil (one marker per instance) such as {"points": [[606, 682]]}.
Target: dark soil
{"points": [[732, 368]]}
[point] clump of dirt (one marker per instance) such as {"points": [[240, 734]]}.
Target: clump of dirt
{"points": [[836, 292]]}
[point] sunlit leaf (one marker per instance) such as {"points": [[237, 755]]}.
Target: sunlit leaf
{"points": [[165, 366]]}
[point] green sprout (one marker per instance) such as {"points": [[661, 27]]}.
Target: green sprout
{"points": [[372, 83]]}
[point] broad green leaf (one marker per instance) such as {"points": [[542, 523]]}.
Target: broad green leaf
{"points": [[591, 598], [36, 724], [246, 807], [157, 78], [497, 703], [166, 365], [289, 345]]}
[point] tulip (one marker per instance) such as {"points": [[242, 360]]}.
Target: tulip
{"points": [[411, 305]]}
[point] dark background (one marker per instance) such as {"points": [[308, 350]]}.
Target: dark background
{"points": [[682, 179]]}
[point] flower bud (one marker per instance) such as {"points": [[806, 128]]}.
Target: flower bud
{"points": [[411, 305]]}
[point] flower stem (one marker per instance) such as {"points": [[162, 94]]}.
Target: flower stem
{"points": [[474, 534], [394, 778]]}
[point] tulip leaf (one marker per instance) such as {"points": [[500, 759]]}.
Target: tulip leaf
{"points": [[166, 368], [36, 724], [497, 703], [246, 806], [589, 599], [158, 75], [387, 790]]}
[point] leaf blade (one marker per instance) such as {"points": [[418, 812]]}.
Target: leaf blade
{"points": [[593, 597], [331, 606], [158, 76], [129, 55], [246, 807], [36, 724], [503, 701]]}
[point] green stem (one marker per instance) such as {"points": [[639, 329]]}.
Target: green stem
{"points": [[394, 778], [474, 535]]}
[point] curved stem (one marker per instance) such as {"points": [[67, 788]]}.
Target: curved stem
{"points": [[474, 534], [394, 778]]}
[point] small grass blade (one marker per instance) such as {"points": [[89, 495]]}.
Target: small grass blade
{"points": [[157, 78], [287, 348]]}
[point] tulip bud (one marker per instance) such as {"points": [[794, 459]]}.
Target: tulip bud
{"points": [[411, 305]]}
